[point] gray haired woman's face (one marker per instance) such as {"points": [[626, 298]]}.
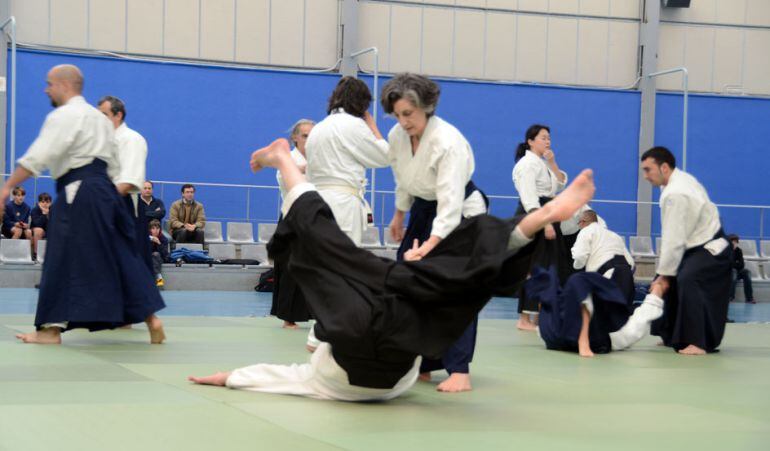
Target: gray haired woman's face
{"points": [[412, 118], [300, 137]]}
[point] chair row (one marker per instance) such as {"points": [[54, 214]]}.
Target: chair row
{"points": [[641, 246], [20, 251]]}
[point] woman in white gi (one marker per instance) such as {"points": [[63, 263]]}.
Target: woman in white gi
{"points": [[432, 165], [340, 149], [288, 302], [538, 178]]}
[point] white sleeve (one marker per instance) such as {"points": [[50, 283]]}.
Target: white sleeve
{"points": [[582, 248], [132, 154], [369, 151], [451, 178], [525, 181], [674, 231], [559, 184], [56, 135], [279, 379]]}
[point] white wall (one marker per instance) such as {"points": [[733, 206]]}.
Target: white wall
{"points": [[724, 43]]}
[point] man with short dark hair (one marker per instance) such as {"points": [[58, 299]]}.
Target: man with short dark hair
{"points": [[153, 207], [695, 259], [740, 272], [186, 218]]}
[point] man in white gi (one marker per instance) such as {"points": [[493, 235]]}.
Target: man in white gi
{"points": [[90, 279], [598, 249], [695, 259]]}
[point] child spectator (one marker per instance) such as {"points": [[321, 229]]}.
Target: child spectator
{"points": [[159, 251], [39, 221], [16, 217]]}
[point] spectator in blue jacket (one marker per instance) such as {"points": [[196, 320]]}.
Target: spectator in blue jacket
{"points": [[16, 216], [159, 251], [39, 221]]}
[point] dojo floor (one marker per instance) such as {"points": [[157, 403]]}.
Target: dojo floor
{"points": [[111, 391]]}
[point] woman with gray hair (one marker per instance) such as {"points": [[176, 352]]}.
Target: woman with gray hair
{"points": [[432, 165], [288, 302]]}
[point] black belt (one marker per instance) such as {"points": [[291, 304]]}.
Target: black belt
{"points": [[617, 260]]}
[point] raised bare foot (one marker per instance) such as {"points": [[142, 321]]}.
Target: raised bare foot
{"points": [[692, 350], [218, 379], [425, 377], [290, 325], [49, 336], [577, 194], [525, 324], [455, 383], [155, 325], [268, 157]]}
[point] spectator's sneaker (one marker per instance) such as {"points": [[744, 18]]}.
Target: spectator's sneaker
{"points": [[751, 302], [159, 282]]}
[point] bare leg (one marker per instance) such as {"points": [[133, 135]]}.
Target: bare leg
{"points": [[455, 383], [562, 207], [47, 336], [155, 325], [584, 346], [15, 233], [218, 379]]}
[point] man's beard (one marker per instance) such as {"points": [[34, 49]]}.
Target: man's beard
{"points": [[54, 103]]}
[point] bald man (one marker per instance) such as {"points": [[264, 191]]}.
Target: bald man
{"points": [[93, 276]]}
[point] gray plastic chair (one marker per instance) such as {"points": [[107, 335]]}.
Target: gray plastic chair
{"points": [[240, 232], [756, 272], [16, 251], [749, 248], [641, 246], [371, 238], [41, 246], [265, 232], [658, 240], [221, 251], [254, 252], [764, 247], [212, 233]]}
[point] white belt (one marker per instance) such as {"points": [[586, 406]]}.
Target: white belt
{"points": [[347, 189]]}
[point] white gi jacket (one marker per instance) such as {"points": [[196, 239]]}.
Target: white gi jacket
{"points": [[439, 170], [300, 161], [688, 219], [533, 179], [339, 150], [132, 154], [595, 246]]}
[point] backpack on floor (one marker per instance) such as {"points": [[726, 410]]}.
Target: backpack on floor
{"points": [[266, 282], [189, 256]]}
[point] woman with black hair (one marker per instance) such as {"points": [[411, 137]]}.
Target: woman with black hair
{"points": [[537, 178], [432, 165], [339, 150]]}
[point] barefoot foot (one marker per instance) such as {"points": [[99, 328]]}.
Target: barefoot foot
{"points": [[49, 336], [577, 194], [218, 379], [524, 323], [290, 325], [424, 377], [585, 350], [268, 157], [455, 383], [692, 350], [155, 325]]}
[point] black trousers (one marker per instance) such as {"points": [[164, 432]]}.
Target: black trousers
{"points": [[185, 236], [745, 276]]}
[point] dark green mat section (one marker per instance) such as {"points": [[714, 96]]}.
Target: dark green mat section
{"points": [[111, 391]]}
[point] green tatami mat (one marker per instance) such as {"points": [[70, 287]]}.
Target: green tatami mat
{"points": [[113, 391]]}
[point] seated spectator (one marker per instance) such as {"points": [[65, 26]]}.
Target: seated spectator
{"points": [[159, 251], [187, 218], [740, 272], [16, 216], [154, 208], [39, 221]]}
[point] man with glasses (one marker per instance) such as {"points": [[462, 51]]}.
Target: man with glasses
{"points": [[39, 221]]}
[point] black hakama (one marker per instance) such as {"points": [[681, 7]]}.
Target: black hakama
{"points": [[459, 356], [547, 253], [696, 304], [623, 276], [288, 301], [561, 309], [93, 276], [379, 315], [141, 229]]}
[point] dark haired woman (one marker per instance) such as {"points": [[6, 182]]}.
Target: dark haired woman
{"points": [[432, 163], [538, 178], [339, 150]]}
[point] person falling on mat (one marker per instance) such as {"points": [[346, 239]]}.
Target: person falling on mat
{"points": [[376, 317], [590, 314]]}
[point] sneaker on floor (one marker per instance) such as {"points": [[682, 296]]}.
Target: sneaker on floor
{"points": [[751, 302]]}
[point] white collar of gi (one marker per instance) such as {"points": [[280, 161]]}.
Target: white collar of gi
{"points": [[672, 178], [338, 110], [76, 99]]}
